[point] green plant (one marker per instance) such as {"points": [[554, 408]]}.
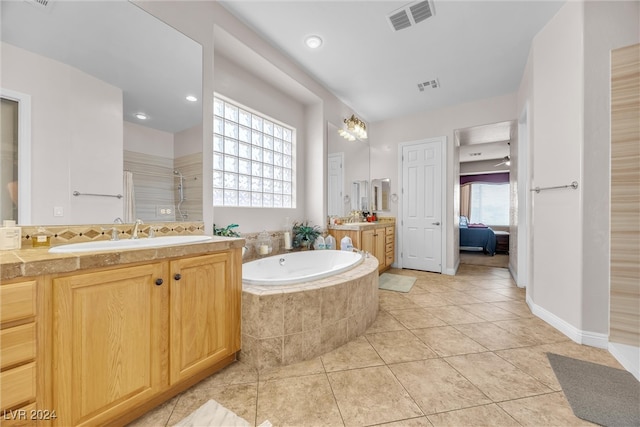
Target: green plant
{"points": [[304, 234], [227, 231]]}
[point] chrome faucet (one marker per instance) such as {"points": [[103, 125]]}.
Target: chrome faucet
{"points": [[134, 233]]}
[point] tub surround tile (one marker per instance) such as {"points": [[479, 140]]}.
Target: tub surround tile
{"points": [[445, 390], [371, 396], [309, 319]]}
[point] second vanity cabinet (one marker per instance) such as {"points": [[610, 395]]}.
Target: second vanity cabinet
{"points": [[124, 337], [378, 239]]}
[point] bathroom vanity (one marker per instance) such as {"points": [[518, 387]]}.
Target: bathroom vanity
{"points": [[102, 337], [377, 238]]}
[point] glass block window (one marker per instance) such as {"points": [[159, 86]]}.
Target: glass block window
{"points": [[253, 158]]}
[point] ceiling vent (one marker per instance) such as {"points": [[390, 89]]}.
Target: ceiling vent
{"points": [[429, 84], [41, 4], [411, 14]]}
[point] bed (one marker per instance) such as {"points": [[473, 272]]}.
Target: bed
{"points": [[477, 237]]}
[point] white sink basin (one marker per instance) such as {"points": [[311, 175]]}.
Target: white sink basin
{"points": [[111, 245]]}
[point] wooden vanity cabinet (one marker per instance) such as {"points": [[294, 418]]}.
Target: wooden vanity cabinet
{"points": [[202, 302], [109, 342], [379, 241], [125, 339], [18, 352]]}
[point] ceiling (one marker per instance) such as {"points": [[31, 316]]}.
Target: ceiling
{"points": [[475, 49]]}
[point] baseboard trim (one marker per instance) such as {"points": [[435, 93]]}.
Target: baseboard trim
{"points": [[628, 356], [514, 273], [454, 270], [593, 339]]}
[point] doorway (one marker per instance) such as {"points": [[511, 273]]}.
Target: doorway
{"points": [[422, 224]]}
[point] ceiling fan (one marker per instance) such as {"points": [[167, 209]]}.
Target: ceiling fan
{"points": [[506, 160]]}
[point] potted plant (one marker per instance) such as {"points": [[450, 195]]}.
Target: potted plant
{"points": [[304, 234], [227, 231]]}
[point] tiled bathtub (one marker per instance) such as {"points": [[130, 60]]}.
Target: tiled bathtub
{"points": [[286, 324]]}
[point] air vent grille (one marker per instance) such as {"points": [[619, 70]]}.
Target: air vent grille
{"points": [[39, 3], [429, 84], [411, 14]]}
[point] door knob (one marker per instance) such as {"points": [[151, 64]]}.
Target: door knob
{"points": [[159, 282], [177, 276], [436, 223]]}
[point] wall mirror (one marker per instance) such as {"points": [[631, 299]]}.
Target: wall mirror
{"points": [[380, 189], [348, 173], [150, 64]]}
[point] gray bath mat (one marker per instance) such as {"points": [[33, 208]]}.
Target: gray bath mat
{"points": [[395, 282], [598, 393]]}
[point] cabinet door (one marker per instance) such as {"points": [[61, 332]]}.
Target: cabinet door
{"points": [[205, 311], [373, 242], [109, 342]]}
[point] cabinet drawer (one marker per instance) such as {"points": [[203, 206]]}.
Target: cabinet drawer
{"points": [[18, 345], [20, 417], [389, 231], [17, 301], [18, 385], [389, 259], [389, 238], [389, 248]]}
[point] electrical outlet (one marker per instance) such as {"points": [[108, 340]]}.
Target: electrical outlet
{"points": [[163, 211]]}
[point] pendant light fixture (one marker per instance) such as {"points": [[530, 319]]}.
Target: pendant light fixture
{"points": [[354, 129]]}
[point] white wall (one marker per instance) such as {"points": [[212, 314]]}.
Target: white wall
{"points": [[566, 83], [385, 136], [76, 138], [142, 139]]}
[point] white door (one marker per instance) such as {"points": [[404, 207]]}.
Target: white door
{"points": [[422, 206], [335, 184]]}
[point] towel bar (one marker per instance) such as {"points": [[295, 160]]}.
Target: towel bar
{"points": [[77, 193]]}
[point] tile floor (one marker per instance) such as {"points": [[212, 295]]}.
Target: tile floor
{"points": [[458, 350]]}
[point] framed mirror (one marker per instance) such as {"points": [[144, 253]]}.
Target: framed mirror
{"points": [[90, 69], [348, 173], [380, 189]]}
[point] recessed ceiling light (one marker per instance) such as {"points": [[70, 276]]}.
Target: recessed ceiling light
{"points": [[191, 98], [141, 116], [313, 42]]}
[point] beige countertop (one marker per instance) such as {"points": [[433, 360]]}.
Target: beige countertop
{"points": [[30, 262], [358, 226]]}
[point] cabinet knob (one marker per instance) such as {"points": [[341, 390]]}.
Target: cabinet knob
{"points": [[159, 282], [177, 276]]}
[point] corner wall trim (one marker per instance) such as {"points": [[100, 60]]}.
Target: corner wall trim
{"points": [[593, 339], [628, 356]]}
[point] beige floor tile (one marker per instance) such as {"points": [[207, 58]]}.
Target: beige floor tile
{"points": [[516, 307], [393, 300], [513, 292], [533, 328], [448, 341], [399, 346], [238, 398], [411, 422], [459, 297], [454, 315], [308, 367], [494, 337], [435, 287], [495, 377], [533, 361], [416, 318], [298, 401], [445, 389], [583, 352], [546, 410], [485, 416], [488, 311], [355, 354], [490, 296], [371, 396], [385, 323], [429, 299], [158, 416], [236, 373]]}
